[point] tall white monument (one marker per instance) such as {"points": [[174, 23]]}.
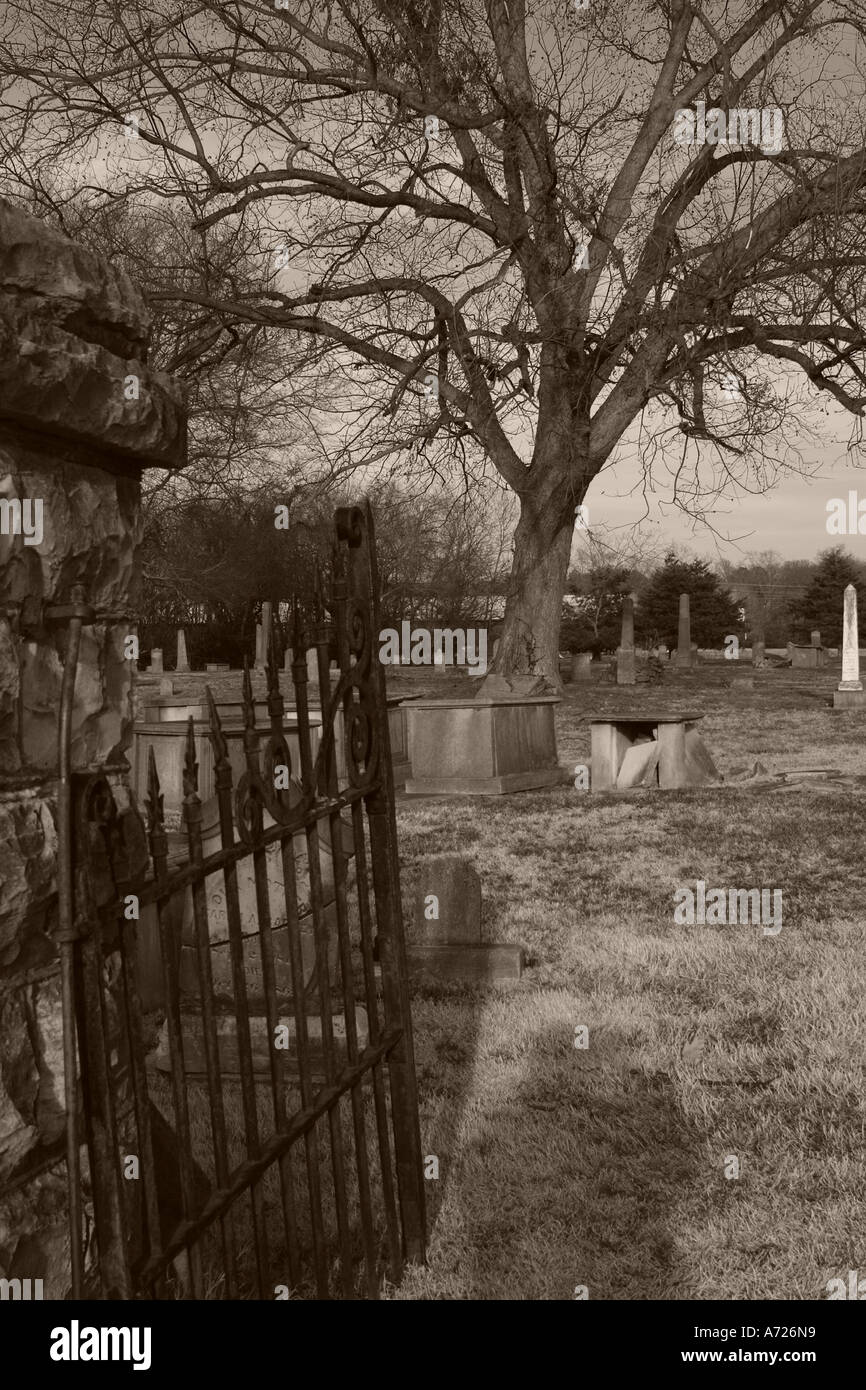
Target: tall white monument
{"points": [[849, 694]]}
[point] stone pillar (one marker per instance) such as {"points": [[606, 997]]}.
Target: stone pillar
{"points": [[625, 662], [684, 634], [73, 331], [850, 694], [182, 663], [312, 666], [156, 667], [263, 636]]}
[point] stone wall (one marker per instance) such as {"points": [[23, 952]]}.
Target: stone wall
{"points": [[81, 414]]}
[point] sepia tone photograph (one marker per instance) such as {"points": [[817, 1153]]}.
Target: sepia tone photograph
{"points": [[432, 732]]}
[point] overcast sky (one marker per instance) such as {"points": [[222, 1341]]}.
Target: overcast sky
{"points": [[791, 519]]}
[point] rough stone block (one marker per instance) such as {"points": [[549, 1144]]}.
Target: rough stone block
{"points": [[638, 767], [484, 964]]}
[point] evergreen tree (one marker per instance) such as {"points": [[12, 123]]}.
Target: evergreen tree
{"points": [[714, 614], [821, 605]]}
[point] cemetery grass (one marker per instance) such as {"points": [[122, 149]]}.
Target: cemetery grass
{"points": [[604, 1167]]}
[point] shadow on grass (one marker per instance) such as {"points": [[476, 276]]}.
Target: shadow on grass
{"points": [[559, 1167]]}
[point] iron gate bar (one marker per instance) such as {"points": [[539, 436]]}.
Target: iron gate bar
{"points": [[311, 1143], [388, 1194], [192, 817], [266, 947], [174, 1024], [310, 778], [362, 573], [340, 876]]}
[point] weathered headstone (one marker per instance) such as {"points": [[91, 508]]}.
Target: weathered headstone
{"points": [[625, 662], [182, 663], [166, 686], [758, 657], [447, 903], [581, 666], [156, 667], [288, 657], [263, 635], [445, 942], [313, 666], [849, 693], [684, 654], [815, 637]]}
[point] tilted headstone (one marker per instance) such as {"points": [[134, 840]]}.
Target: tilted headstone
{"points": [[182, 663]]}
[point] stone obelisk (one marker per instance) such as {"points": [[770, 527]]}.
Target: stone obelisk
{"points": [[849, 694], [182, 663], [684, 656], [625, 666]]}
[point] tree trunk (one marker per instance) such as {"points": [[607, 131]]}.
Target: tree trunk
{"points": [[529, 642]]}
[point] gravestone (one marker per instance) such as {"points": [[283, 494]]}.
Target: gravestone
{"points": [[758, 653], [166, 686], [263, 636], [850, 694], [815, 638], [288, 657], [445, 942], [581, 666], [685, 654], [156, 667], [312, 667], [625, 661], [455, 915], [182, 663]]}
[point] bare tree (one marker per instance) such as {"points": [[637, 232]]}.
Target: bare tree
{"points": [[483, 214]]}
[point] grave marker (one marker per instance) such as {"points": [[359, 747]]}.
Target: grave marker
{"points": [[849, 694], [685, 653], [625, 661], [446, 940]]}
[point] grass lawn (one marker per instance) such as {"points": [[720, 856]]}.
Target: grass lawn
{"points": [[605, 1166]]}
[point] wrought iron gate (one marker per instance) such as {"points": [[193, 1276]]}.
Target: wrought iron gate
{"points": [[258, 1136]]}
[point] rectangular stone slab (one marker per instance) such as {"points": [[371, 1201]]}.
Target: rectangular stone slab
{"points": [[475, 964], [261, 1042]]}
